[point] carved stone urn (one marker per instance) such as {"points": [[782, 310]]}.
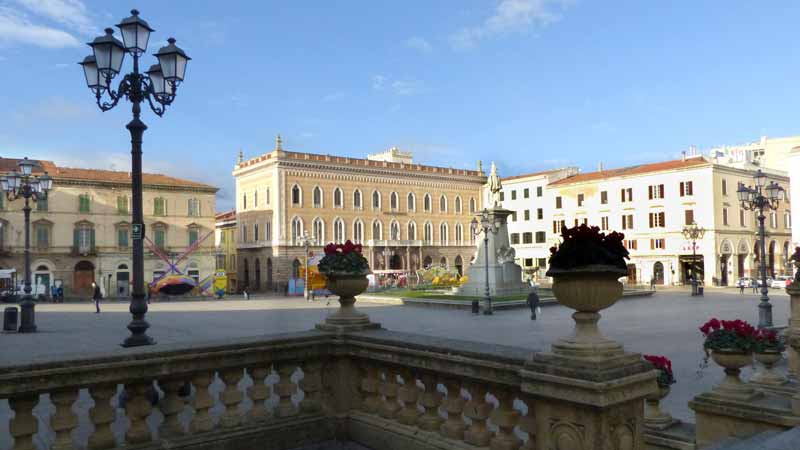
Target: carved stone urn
{"points": [[766, 374], [587, 290], [654, 417], [732, 385], [347, 317]]}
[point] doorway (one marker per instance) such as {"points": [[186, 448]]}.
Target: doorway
{"points": [[123, 281], [83, 278], [658, 273], [631, 273]]}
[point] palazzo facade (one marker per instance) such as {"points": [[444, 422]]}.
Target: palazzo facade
{"points": [[406, 215]]}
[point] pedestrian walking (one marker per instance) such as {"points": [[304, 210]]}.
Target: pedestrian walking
{"points": [[754, 285], [741, 287], [96, 296], [533, 304]]}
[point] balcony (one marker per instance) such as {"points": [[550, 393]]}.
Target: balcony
{"points": [[83, 250]]}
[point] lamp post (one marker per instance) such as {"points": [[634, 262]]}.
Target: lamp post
{"points": [[485, 226], [693, 232], [22, 183], [761, 197], [158, 86], [307, 241]]}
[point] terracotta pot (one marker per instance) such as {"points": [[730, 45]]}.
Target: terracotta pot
{"points": [[732, 385]]}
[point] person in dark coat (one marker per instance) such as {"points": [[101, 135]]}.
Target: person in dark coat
{"points": [[96, 296], [533, 303]]}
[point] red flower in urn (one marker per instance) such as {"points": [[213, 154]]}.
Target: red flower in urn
{"points": [[343, 259], [664, 367], [730, 335]]}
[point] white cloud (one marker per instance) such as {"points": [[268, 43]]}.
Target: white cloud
{"points": [[419, 44], [15, 28], [70, 13], [510, 16], [407, 87]]}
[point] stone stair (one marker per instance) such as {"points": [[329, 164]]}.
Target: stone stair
{"points": [[767, 440]]}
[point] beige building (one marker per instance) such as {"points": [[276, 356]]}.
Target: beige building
{"points": [[81, 233], [226, 242], [406, 215]]}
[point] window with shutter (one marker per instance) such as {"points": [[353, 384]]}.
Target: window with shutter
{"points": [[682, 189], [689, 216]]}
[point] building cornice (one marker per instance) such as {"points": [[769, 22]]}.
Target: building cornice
{"points": [[113, 184]]}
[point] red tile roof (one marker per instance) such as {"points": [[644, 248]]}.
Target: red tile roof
{"points": [[633, 170], [69, 173], [228, 215]]}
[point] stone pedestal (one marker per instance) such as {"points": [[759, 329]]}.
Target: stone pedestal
{"points": [[505, 276], [793, 332]]}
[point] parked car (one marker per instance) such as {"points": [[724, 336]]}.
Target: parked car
{"points": [[769, 282], [744, 282], [781, 282]]}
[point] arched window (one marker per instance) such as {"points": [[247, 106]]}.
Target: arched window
{"points": [[357, 203], [297, 196], [358, 231], [443, 204], [459, 234], [297, 230], [458, 205], [412, 231], [473, 230], [394, 231], [319, 231], [338, 198], [255, 234], [338, 231], [443, 235], [428, 233], [427, 203], [317, 197], [472, 205], [394, 201], [412, 202], [376, 200], [377, 230]]}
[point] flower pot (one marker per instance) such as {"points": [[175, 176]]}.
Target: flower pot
{"points": [[654, 417], [587, 290], [765, 374], [733, 361], [347, 286]]}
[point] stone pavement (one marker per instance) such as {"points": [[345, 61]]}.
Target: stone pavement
{"points": [[665, 323]]}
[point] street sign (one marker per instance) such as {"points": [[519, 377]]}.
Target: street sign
{"points": [[137, 231]]}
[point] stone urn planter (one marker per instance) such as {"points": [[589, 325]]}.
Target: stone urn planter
{"points": [[587, 290], [654, 417], [766, 374], [732, 385], [347, 286]]}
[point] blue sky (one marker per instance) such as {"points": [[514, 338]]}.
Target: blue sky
{"points": [[532, 84]]}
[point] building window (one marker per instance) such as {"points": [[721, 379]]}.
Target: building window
{"points": [[377, 230], [428, 233], [160, 206], [541, 237], [526, 193], [267, 197], [541, 262], [338, 231], [376, 200], [603, 197], [42, 233], [580, 199], [394, 231], [724, 186], [539, 213], [122, 237], [773, 219], [411, 202], [426, 203], [297, 231], [514, 216], [443, 204], [268, 231], [787, 220], [657, 244], [604, 223], [513, 195], [83, 238], [514, 238], [84, 203], [459, 234], [160, 236], [627, 222], [358, 231], [2, 202], [528, 262], [527, 214], [357, 204], [686, 188], [443, 234], [412, 231], [558, 202], [657, 220], [472, 205], [502, 196], [194, 207], [255, 198], [627, 195], [122, 204], [527, 237], [394, 201], [338, 201], [558, 225], [538, 191], [458, 205], [725, 216], [316, 198], [244, 232], [318, 228], [655, 191], [297, 196], [688, 217], [741, 218], [194, 234], [630, 244], [244, 201], [41, 204]]}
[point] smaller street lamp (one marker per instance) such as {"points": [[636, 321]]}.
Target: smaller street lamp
{"points": [[22, 183], [693, 232], [485, 226], [306, 241]]}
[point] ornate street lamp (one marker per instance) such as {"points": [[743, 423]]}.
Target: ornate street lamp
{"points": [[22, 183], [693, 233], [759, 198], [485, 226], [306, 241], [158, 86]]}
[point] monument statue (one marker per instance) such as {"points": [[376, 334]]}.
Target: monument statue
{"points": [[494, 186]]}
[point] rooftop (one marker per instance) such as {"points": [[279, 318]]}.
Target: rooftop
{"points": [[228, 215], [534, 174], [633, 170]]}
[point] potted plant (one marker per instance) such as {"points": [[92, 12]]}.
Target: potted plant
{"points": [[768, 351], [730, 343], [345, 270], [586, 268], [653, 415]]}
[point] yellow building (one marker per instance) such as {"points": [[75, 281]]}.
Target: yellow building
{"points": [[226, 242], [81, 233], [406, 215]]}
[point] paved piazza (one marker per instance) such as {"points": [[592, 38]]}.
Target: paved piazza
{"points": [[663, 324]]}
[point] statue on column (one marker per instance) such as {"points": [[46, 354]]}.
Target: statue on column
{"points": [[494, 186]]}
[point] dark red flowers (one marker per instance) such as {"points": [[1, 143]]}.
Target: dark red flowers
{"points": [[343, 259], [664, 366], [344, 249], [730, 335], [584, 246]]}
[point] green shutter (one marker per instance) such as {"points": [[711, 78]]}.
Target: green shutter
{"points": [[91, 239], [75, 238]]}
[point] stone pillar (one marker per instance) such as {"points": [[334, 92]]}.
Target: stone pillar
{"points": [[793, 332]]}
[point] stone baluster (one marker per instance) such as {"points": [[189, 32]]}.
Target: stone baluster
{"points": [[202, 420], [102, 416], [431, 399], [311, 384], [172, 405], [64, 420], [527, 423], [477, 409], [231, 397], [370, 386], [259, 393], [506, 418], [285, 388], [453, 427], [24, 424], [138, 408], [408, 394], [388, 389]]}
